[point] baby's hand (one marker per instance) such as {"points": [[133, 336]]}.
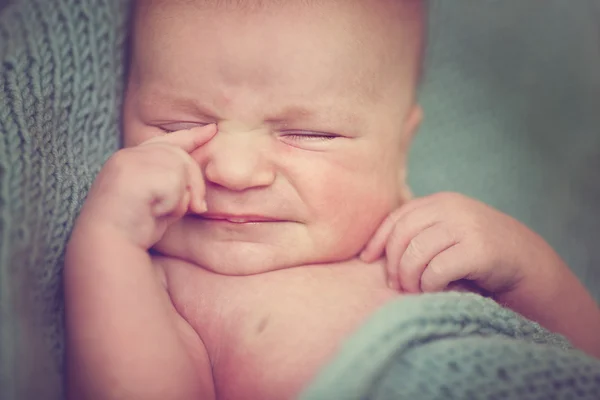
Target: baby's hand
{"points": [[142, 189], [434, 241]]}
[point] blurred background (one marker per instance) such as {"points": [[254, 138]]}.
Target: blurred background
{"points": [[512, 104]]}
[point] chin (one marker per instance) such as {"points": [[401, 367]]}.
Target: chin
{"points": [[242, 259], [235, 265], [233, 254], [242, 262]]}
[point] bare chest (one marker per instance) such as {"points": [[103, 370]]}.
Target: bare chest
{"points": [[267, 335]]}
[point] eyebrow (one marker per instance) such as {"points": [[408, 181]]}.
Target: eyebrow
{"points": [[156, 99], [287, 114], [290, 113], [195, 107]]}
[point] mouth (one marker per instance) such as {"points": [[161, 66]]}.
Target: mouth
{"points": [[237, 219]]}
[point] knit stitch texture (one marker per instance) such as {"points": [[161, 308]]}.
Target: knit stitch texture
{"points": [[452, 346], [60, 92]]}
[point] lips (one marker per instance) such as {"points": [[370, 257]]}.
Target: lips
{"points": [[238, 219]]}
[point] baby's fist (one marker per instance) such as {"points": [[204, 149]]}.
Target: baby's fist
{"points": [[142, 189], [434, 241]]}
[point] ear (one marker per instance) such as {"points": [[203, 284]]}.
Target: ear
{"points": [[412, 124], [409, 130]]}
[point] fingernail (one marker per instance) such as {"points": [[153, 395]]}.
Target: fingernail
{"points": [[203, 206]]}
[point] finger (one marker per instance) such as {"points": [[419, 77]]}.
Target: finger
{"points": [[376, 245], [187, 140], [419, 253], [179, 184], [406, 229], [183, 206], [393, 251], [167, 200], [194, 180], [451, 265], [196, 188]]}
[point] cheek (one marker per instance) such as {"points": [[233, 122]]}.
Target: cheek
{"points": [[354, 210], [360, 200], [350, 199]]}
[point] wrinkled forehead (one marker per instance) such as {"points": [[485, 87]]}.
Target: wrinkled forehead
{"points": [[398, 23], [376, 42]]}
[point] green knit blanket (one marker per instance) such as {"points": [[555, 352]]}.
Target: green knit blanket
{"points": [[61, 84], [454, 346]]}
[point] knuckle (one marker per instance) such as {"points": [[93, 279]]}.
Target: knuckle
{"points": [[414, 251], [449, 233], [435, 270]]}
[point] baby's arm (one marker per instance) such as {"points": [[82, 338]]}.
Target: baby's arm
{"points": [[125, 340], [436, 240], [553, 296]]}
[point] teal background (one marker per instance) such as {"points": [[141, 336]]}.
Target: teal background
{"points": [[512, 103]]}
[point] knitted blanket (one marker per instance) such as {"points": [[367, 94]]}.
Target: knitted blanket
{"points": [[60, 92], [452, 346], [61, 84]]}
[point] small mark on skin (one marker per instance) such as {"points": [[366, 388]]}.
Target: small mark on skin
{"points": [[262, 325]]}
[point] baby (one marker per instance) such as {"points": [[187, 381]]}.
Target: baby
{"points": [[258, 213]]}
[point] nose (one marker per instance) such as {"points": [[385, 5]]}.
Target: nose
{"points": [[238, 161]]}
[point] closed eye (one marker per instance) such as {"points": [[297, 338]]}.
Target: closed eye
{"points": [[180, 126], [309, 136]]}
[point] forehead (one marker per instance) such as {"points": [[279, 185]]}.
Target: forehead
{"points": [[347, 49]]}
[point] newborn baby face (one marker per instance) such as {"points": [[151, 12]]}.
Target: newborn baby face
{"points": [[315, 109]]}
